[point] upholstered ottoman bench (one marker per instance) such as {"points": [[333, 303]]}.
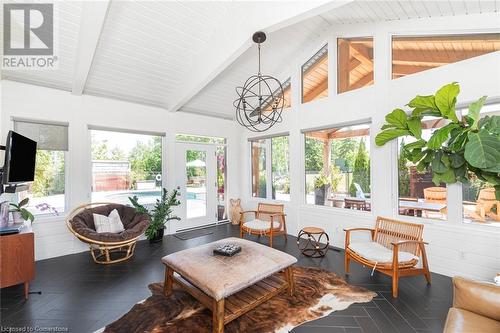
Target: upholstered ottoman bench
{"points": [[230, 286]]}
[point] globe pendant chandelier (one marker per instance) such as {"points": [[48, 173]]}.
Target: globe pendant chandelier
{"points": [[260, 100]]}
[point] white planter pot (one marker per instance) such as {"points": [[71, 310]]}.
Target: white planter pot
{"points": [[17, 218]]}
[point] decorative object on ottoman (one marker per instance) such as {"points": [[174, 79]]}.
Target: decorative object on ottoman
{"points": [[227, 249], [235, 211], [476, 307], [230, 286], [313, 247], [160, 214], [394, 250], [269, 220], [103, 245], [317, 293]]}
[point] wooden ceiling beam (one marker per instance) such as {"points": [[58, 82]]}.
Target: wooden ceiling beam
{"points": [[434, 57], [316, 91], [349, 134], [409, 69], [364, 81], [362, 53]]}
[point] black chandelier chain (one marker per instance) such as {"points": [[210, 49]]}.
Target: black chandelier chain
{"points": [[261, 99]]}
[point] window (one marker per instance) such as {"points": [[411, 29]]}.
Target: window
{"points": [[280, 168], [220, 153], [270, 181], [418, 195], [124, 165], [47, 191], [337, 165], [259, 174], [479, 201], [315, 76], [413, 54], [355, 63]]}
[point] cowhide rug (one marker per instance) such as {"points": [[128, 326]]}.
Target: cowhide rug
{"points": [[318, 293]]}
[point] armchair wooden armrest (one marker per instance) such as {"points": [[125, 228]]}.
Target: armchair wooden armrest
{"points": [[348, 233], [245, 212], [279, 220], [409, 241]]}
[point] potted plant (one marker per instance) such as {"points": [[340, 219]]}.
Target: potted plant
{"points": [[20, 214], [335, 180], [159, 215], [321, 187], [464, 147]]}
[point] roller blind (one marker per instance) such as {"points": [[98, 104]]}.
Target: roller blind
{"points": [[49, 136]]}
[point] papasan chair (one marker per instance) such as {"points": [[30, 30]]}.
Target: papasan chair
{"points": [[107, 247]]}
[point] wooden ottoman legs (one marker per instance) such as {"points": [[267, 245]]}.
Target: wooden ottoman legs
{"points": [[169, 280], [218, 316]]}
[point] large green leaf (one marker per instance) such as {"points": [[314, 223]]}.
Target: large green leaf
{"points": [[398, 118], [423, 103], [446, 98], [440, 136], [483, 150], [438, 166], [417, 144], [415, 126], [458, 137], [490, 124], [474, 109], [457, 160], [387, 135], [447, 177]]}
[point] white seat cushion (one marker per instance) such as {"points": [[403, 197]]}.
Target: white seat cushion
{"points": [[111, 223], [261, 225], [376, 252]]}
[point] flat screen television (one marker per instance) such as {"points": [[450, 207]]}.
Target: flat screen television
{"points": [[20, 157]]}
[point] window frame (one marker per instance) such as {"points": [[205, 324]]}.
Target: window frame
{"points": [[164, 143], [348, 37], [269, 171], [48, 216], [438, 33], [326, 44], [455, 216], [303, 132]]}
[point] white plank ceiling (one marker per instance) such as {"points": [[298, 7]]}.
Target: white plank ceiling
{"points": [[146, 47]]}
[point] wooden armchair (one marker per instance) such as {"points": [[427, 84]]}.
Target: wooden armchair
{"points": [[269, 220], [394, 250]]}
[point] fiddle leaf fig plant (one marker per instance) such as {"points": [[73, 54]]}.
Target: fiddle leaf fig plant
{"points": [[457, 149]]}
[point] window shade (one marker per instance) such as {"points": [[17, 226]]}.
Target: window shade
{"points": [[49, 136]]}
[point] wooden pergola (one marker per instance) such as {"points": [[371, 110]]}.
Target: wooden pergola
{"points": [[327, 135]]}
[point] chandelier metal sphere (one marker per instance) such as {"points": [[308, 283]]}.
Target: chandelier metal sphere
{"points": [[260, 99]]}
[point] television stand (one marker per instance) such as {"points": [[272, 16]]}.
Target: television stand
{"points": [[17, 259]]}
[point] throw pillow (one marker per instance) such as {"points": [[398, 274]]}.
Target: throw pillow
{"points": [[111, 223]]}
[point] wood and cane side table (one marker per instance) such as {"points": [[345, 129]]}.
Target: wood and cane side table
{"points": [[313, 246]]}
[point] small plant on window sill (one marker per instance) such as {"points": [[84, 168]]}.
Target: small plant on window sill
{"points": [[454, 151], [20, 214]]}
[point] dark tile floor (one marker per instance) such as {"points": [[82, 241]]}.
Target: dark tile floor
{"points": [[83, 297]]}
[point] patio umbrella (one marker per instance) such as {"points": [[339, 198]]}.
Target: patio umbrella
{"points": [[196, 164]]}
